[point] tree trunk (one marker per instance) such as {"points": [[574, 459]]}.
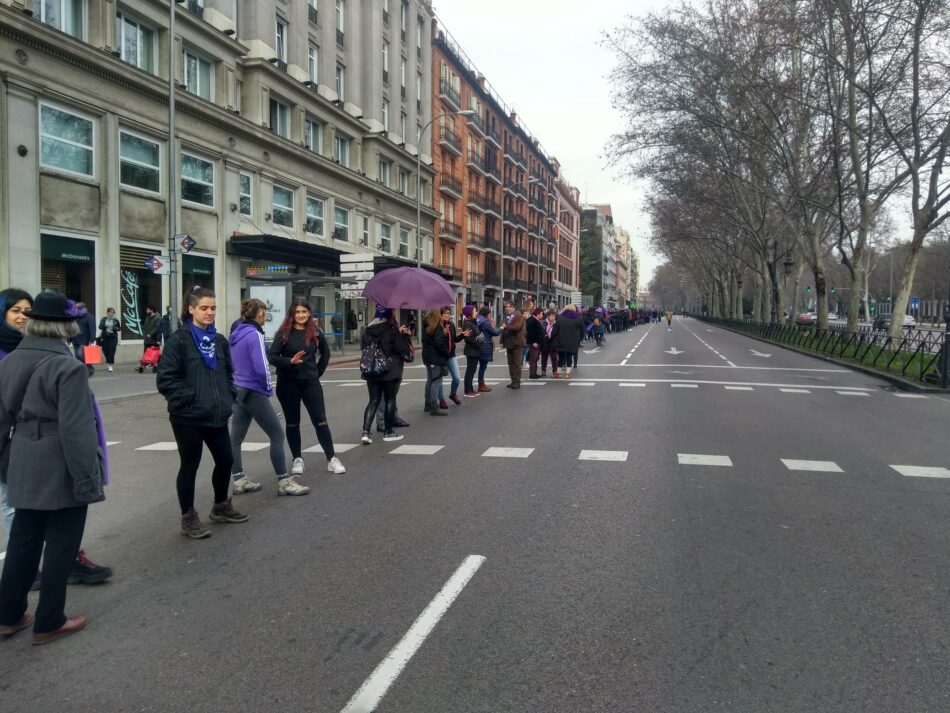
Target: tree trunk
{"points": [[905, 284], [757, 298], [821, 296]]}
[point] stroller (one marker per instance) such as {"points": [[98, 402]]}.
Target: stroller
{"points": [[149, 359]]}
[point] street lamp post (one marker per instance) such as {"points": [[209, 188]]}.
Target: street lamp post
{"points": [[173, 266], [945, 370]]}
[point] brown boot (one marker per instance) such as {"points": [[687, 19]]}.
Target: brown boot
{"points": [[483, 387]]}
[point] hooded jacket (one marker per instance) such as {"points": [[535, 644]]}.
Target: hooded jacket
{"points": [[570, 331], [392, 342], [196, 395], [249, 356]]}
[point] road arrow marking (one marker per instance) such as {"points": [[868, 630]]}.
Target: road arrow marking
{"points": [[755, 353], [592, 351], [674, 351]]}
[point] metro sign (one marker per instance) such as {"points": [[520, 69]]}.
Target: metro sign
{"points": [[157, 265]]}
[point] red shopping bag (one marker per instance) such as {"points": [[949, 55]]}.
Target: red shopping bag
{"points": [[92, 354]]}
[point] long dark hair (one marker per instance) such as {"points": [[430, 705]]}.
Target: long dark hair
{"points": [[191, 299], [310, 328], [10, 297]]}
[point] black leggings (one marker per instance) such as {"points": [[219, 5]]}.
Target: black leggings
{"points": [[471, 366], [190, 439], [384, 391], [290, 393], [109, 344]]}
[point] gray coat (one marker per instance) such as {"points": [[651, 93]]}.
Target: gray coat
{"points": [[54, 448]]}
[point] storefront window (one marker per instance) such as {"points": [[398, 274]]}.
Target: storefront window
{"points": [[68, 265], [138, 288], [197, 271]]}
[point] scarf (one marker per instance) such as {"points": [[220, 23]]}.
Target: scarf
{"points": [[448, 334], [548, 328], [205, 341], [9, 339]]}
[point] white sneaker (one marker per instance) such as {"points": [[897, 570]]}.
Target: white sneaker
{"points": [[297, 467], [110, 368], [335, 466], [366, 439], [290, 486], [245, 485], [392, 436]]}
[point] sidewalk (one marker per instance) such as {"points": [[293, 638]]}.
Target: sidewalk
{"points": [[126, 382]]}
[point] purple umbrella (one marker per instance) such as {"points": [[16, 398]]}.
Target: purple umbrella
{"points": [[409, 288]]}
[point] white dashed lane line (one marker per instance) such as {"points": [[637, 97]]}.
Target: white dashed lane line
{"points": [[618, 456], [820, 466], [702, 459], [416, 450], [501, 452], [916, 471]]}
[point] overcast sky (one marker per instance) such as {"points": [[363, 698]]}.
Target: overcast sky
{"points": [[547, 63]]}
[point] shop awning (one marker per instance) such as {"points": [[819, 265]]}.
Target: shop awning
{"points": [[286, 250]]}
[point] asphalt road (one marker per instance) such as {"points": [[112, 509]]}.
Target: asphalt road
{"points": [[751, 548]]}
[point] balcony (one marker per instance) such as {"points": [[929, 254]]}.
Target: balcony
{"points": [[476, 241], [492, 279], [449, 140], [450, 230], [491, 171], [474, 278], [477, 202], [477, 124], [538, 204], [196, 8], [454, 274], [493, 207], [515, 156], [312, 14], [534, 231], [476, 161], [519, 222], [518, 190], [492, 243], [450, 185], [450, 95], [492, 135], [516, 252]]}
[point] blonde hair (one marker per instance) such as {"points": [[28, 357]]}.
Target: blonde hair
{"points": [[569, 307], [433, 320]]}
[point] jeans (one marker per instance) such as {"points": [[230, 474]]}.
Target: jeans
{"points": [[471, 366], [190, 439], [456, 379], [482, 366], [61, 533], [433, 384], [248, 405], [290, 393], [384, 391], [381, 415], [6, 510]]}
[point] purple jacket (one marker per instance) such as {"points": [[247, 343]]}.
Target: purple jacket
{"points": [[249, 356]]}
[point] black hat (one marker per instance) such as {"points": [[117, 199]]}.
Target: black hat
{"points": [[53, 307]]}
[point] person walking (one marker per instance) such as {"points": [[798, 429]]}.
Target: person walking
{"points": [[435, 356], [549, 348], [352, 324], [336, 324], [54, 467], [472, 349], [570, 334], [452, 363], [196, 377], [85, 336], [534, 334], [514, 338], [489, 331], [383, 339], [109, 328], [152, 329], [252, 401], [165, 324], [297, 342]]}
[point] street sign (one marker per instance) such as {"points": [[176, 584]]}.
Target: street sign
{"points": [[356, 257], [353, 285], [358, 275], [186, 242], [158, 264], [915, 303], [351, 294], [348, 267]]}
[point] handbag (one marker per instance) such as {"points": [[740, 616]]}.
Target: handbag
{"points": [[92, 354]]}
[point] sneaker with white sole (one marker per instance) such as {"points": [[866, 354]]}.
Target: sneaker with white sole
{"points": [[392, 436], [245, 485], [290, 486], [297, 467], [335, 466], [366, 439]]}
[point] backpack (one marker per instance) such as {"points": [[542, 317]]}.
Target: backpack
{"points": [[374, 362]]}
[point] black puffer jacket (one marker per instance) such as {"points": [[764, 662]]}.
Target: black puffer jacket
{"points": [[392, 342], [196, 395]]}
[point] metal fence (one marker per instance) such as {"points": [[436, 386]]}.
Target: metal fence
{"points": [[916, 354]]}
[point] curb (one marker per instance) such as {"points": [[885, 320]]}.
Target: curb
{"points": [[902, 384]]}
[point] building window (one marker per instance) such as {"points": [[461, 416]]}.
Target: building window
{"points": [[196, 270], [419, 92], [402, 125], [312, 11], [244, 195], [404, 243], [279, 118], [386, 11], [139, 162], [402, 76], [136, 43], [385, 237], [314, 216], [313, 135], [341, 223], [67, 141], [65, 15], [198, 75], [383, 172], [403, 19], [283, 206], [139, 287], [238, 94], [281, 41], [404, 182], [68, 265], [197, 180], [340, 27], [341, 149], [385, 115], [340, 82], [420, 33], [385, 62], [313, 67]]}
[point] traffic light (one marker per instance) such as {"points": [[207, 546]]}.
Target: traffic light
{"points": [[873, 309], [808, 289], [833, 288]]}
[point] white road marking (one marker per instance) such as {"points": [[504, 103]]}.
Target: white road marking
{"points": [[700, 459], [534, 383], [624, 362], [759, 354], [821, 466], [911, 396], [582, 383], [917, 471], [113, 443], [731, 364], [633, 385], [620, 456], [674, 351], [353, 383], [248, 447], [502, 452], [375, 687], [795, 391], [416, 450], [160, 446], [676, 385], [738, 388], [852, 393], [338, 447]]}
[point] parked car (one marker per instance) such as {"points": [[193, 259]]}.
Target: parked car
{"points": [[832, 315], [884, 321], [806, 319]]}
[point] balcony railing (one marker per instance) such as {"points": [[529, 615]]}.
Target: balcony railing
{"points": [[493, 243], [477, 202], [492, 206], [491, 170], [454, 273], [474, 278], [476, 240], [448, 229], [476, 122], [492, 279], [476, 161], [450, 95], [515, 156], [519, 221], [518, 190], [450, 184], [450, 140], [491, 133]]}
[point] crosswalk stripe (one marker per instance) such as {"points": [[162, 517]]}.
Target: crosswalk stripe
{"points": [[248, 447], [738, 388], [820, 466], [160, 446], [416, 450], [852, 393], [355, 383], [644, 385], [700, 459], [917, 471], [795, 391], [685, 386], [582, 383], [502, 452], [911, 396], [620, 456], [338, 447]]}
